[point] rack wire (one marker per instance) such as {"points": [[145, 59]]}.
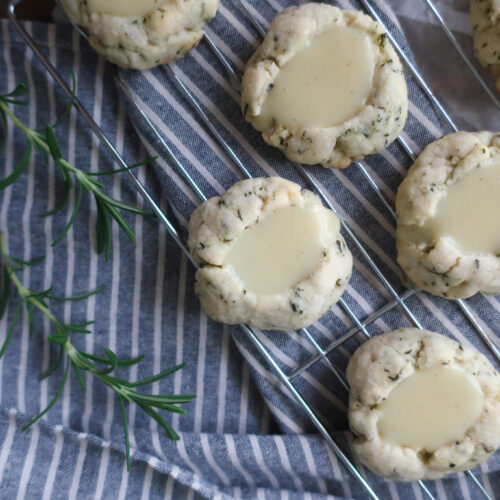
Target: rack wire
{"points": [[399, 300]]}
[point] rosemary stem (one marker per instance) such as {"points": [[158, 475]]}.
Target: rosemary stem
{"points": [[102, 367], [24, 128], [22, 290]]}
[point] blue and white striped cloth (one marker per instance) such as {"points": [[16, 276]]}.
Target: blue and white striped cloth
{"points": [[244, 436]]}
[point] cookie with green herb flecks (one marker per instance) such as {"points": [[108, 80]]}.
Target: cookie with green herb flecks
{"points": [[485, 22], [360, 106], [141, 35], [421, 405], [448, 238], [270, 255]]}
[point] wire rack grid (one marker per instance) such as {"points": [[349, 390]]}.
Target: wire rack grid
{"points": [[399, 300]]}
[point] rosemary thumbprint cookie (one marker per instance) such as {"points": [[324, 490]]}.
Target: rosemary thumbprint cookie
{"points": [[325, 86], [141, 34], [485, 22], [422, 405], [270, 255], [448, 224]]}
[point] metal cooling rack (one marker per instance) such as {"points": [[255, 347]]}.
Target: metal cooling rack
{"points": [[360, 325]]}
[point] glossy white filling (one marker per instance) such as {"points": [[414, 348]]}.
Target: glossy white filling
{"points": [[430, 408], [124, 8], [469, 213], [282, 249], [325, 83]]}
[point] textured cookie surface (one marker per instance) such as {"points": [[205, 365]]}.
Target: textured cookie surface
{"points": [[438, 265], [161, 36], [485, 22], [385, 361], [371, 128], [217, 224]]}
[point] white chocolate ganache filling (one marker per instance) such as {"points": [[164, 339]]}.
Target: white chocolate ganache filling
{"points": [[430, 408], [283, 248], [469, 212], [124, 8], [325, 83]]}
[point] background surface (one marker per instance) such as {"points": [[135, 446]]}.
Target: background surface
{"points": [[35, 10], [243, 436]]}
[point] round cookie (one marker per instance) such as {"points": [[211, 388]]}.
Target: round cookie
{"points": [[382, 363], [485, 22], [377, 123], [439, 266], [164, 34], [214, 229]]}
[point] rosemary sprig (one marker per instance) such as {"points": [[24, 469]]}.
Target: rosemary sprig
{"points": [[73, 177], [69, 356]]}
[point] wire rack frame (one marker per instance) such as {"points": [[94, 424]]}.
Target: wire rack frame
{"points": [[360, 326], [235, 81]]}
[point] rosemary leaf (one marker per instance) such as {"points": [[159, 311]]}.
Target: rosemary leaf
{"points": [[121, 362], [125, 429], [112, 357], [70, 105], [103, 229], [79, 297], [169, 407], [121, 222], [159, 376], [78, 374], [72, 218], [17, 92], [19, 168], [4, 127], [54, 366], [77, 329], [4, 291], [13, 264], [11, 328], [53, 400], [122, 206], [32, 262], [119, 170], [43, 293], [55, 150], [58, 338], [17, 102], [130, 361], [157, 417], [61, 204]]}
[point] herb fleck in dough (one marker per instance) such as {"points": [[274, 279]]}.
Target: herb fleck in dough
{"points": [[370, 130], [440, 267], [379, 365], [218, 222], [162, 36]]}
